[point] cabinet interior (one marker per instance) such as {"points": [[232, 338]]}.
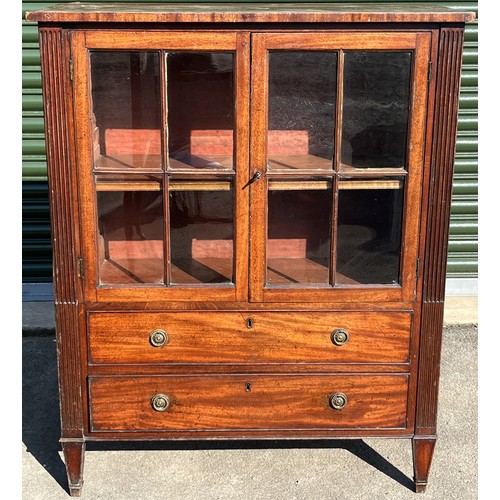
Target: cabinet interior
{"points": [[164, 166]]}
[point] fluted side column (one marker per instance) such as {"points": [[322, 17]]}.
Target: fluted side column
{"points": [[434, 269], [56, 84]]}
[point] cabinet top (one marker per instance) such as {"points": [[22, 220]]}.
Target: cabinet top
{"points": [[249, 13]]}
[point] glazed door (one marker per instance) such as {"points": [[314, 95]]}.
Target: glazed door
{"points": [[162, 141], [337, 155]]}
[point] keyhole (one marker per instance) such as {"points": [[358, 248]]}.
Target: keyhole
{"points": [[249, 322], [248, 386]]}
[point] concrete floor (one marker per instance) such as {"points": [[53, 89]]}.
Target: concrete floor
{"points": [[461, 310], [368, 469]]}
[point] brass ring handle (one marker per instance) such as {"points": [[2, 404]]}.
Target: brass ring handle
{"points": [[339, 336], [338, 401], [158, 338], [160, 402]]}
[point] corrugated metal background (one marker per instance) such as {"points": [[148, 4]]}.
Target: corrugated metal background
{"points": [[37, 267]]}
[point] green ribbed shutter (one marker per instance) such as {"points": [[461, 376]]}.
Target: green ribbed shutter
{"points": [[37, 254], [463, 256], [463, 248]]}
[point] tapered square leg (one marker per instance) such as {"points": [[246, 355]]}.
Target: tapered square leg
{"points": [[74, 452], [423, 450]]}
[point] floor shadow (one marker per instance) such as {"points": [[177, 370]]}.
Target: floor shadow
{"points": [[41, 426], [355, 446], [40, 412]]}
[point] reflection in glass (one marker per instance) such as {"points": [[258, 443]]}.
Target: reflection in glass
{"points": [[200, 110], [298, 244], [375, 109], [302, 98], [130, 231], [201, 232], [126, 117], [369, 232]]}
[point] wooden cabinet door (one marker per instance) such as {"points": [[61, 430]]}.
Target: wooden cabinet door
{"points": [[337, 159], [162, 125]]}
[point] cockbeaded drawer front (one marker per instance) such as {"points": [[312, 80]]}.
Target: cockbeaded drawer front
{"points": [[249, 337], [260, 402]]}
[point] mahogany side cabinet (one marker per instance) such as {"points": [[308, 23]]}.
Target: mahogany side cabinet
{"points": [[250, 208]]}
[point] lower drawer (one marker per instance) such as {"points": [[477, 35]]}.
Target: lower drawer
{"points": [[259, 402]]}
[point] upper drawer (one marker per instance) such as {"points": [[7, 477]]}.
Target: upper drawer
{"points": [[249, 337]]}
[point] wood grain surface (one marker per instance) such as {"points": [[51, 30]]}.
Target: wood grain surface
{"points": [[241, 12], [248, 402], [65, 237], [434, 272], [251, 337]]}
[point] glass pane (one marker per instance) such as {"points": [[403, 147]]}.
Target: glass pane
{"points": [[302, 98], [126, 109], [201, 231], [370, 215], [131, 230], [200, 110], [375, 110], [298, 245]]}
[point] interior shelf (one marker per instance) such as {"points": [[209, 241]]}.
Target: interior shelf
{"points": [[202, 270], [371, 184], [199, 162], [321, 184], [299, 185], [130, 162], [126, 271], [120, 183], [128, 183], [299, 162], [199, 185], [289, 271], [349, 170]]}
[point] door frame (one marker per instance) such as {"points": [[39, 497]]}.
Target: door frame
{"points": [[82, 41], [419, 42]]}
